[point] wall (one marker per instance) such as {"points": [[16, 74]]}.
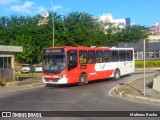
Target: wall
{"points": [[6, 74]]}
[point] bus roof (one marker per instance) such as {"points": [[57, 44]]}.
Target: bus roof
{"points": [[90, 48]]}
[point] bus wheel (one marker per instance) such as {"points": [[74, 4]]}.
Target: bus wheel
{"points": [[116, 74], [82, 79]]}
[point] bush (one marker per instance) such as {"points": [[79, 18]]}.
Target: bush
{"points": [[149, 63]]}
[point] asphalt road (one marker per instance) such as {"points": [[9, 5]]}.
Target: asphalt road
{"points": [[92, 97]]}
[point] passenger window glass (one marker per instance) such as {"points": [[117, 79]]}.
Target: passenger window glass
{"points": [[129, 55], [72, 59], [122, 55], [82, 57], [99, 56], [106, 56], [91, 56], [114, 56]]}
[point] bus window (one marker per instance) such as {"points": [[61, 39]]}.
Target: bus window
{"points": [[99, 56], [82, 57], [72, 59], [106, 56], [91, 56], [122, 55], [114, 54], [129, 55]]}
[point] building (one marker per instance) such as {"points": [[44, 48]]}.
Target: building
{"points": [[44, 19], [7, 58], [154, 33], [121, 23], [152, 49]]}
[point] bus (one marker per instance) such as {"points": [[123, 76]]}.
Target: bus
{"points": [[68, 65]]}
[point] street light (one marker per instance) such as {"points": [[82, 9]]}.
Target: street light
{"points": [[53, 21]]}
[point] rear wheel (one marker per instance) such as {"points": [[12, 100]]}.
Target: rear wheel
{"points": [[116, 74], [83, 80]]}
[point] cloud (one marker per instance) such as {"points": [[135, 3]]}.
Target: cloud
{"points": [[31, 8], [4, 2], [24, 8], [28, 8], [41, 9], [57, 7]]}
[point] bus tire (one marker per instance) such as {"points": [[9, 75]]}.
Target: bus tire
{"points": [[82, 79], [117, 74]]}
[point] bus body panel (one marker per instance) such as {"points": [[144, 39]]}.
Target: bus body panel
{"points": [[94, 71], [72, 75]]}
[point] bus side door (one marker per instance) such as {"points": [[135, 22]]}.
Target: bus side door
{"points": [[72, 62]]}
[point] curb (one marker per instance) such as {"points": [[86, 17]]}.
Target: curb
{"points": [[144, 98], [115, 92]]}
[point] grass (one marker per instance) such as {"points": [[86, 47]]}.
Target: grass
{"points": [[29, 74], [149, 63], [20, 77]]}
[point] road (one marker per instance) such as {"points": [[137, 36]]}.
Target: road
{"points": [[92, 97]]}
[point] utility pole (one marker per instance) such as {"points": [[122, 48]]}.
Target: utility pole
{"points": [[52, 21], [144, 62]]}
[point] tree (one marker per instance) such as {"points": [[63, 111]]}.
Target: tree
{"points": [[132, 34], [82, 29], [74, 29]]}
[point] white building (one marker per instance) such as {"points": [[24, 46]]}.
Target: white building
{"points": [[154, 31], [44, 19], [121, 23]]}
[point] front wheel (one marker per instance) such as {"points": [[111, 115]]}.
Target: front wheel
{"points": [[82, 79], [116, 74]]}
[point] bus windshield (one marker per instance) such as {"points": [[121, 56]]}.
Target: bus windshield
{"points": [[54, 63]]}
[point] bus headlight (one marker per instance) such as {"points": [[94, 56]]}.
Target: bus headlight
{"points": [[62, 76]]}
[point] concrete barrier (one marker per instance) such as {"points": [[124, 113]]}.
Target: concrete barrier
{"points": [[156, 82]]}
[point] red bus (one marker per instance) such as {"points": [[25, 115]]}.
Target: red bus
{"points": [[68, 65]]}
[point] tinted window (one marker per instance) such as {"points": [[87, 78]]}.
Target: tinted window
{"points": [[129, 55], [82, 57], [72, 59], [122, 55], [99, 56], [91, 56], [106, 56], [114, 54]]}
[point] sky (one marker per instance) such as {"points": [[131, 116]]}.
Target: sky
{"points": [[141, 12]]}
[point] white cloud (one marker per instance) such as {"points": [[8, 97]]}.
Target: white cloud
{"points": [[31, 8], [57, 7], [24, 8], [41, 9], [4, 2]]}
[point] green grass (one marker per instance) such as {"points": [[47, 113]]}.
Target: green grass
{"points": [[29, 74], [149, 63]]}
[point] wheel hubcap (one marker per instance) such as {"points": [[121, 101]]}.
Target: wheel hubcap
{"points": [[82, 79], [117, 75]]}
